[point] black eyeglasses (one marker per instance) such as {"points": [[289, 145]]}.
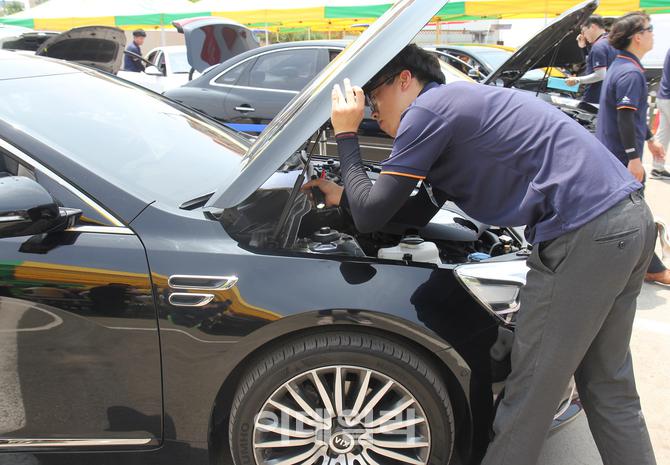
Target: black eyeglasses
{"points": [[369, 99], [649, 28]]}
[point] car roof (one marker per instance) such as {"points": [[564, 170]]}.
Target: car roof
{"points": [[280, 46], [172, 48], [20, 66]]}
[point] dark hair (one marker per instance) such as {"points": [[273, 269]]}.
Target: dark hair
{"points": [[594, 19], [421, 63], [624, 28], [139, 33]]}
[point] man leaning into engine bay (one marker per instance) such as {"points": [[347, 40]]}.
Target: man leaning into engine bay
{"points": [[507, 158]]}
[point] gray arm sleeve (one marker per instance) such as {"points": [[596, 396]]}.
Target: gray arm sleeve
{"points": [[597, 76]]}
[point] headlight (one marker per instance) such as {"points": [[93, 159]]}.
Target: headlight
{"points": [[495, 285]]}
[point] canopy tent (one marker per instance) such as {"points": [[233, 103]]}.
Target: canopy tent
{"points": [[317, 15], [61, 15]]}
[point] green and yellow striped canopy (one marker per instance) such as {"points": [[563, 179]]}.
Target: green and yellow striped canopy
{"points": [[156, 14]]}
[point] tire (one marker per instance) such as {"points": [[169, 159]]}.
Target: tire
{"points": [[413, 405]]}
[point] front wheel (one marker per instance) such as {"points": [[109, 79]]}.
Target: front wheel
{"points": [[340, 399]]}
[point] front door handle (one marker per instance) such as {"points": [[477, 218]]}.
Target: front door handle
{"points": [[245, 108]]}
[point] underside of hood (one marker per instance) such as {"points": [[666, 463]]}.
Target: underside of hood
{"points": [[29, 41], [310, 109], [211, 40], [100, 47], [555, 45]]}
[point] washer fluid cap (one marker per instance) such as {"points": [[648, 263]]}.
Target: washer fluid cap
{"points": [[412, 240]]}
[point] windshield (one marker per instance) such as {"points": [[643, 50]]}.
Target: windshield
{"points": [[495, 58], [134, 139], [451, 74], [178, 62]]}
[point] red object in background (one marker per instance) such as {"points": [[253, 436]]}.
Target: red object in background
{"points": [[211, 52], [229, 36], [656, 122]]}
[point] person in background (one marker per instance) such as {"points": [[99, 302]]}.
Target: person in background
{"points": [[130, 62], [663, 105], [622, 116], [600, 57]]}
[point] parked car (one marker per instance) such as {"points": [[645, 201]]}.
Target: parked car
{"points": [[253, 87], [169, 295], [208, 41], [480, 60]]}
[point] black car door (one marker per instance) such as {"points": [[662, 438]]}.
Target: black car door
{"points": [[79, 350], [271, 82]]}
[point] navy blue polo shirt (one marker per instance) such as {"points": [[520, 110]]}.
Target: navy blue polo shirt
{"points": [[602, 55], [507, 158], [625, 87], [131, 63], [664, 88]]}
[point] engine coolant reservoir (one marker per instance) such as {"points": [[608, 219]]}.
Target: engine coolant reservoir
{"points": [[412, 248]]}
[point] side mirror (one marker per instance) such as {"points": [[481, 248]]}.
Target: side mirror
{"points": [[474, 73], [26, 209], [152, 71]]}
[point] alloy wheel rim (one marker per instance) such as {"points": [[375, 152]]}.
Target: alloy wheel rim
{"points": [[341, 414]]}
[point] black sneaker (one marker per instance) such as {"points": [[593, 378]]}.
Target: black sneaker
{"points": [[660, 174]]}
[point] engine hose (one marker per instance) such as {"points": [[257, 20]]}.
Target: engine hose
{"points": [[494, 239]]}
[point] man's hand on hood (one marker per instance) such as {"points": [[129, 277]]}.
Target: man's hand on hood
{"points": [[348, 108]]}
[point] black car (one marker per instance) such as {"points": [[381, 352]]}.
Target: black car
{"points": [[167, 295], [253, 87]]}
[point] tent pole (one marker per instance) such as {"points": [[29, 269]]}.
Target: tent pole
{"points": [[162, 31]]}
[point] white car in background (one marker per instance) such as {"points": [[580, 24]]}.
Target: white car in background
{"points": [[165, 68]]}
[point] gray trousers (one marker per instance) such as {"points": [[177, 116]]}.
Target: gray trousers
{"points": [[576, 317]]}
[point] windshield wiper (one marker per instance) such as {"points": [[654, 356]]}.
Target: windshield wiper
{"points": [[196, 202]]}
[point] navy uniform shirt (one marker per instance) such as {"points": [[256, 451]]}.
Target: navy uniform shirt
{"points": [[602, 55], [664, 88], [625, 86], [130, 63], [507, 158]]}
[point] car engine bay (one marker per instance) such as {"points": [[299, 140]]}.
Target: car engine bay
{"points": [[266, 222]]}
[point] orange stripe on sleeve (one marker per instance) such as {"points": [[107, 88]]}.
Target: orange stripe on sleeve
{"points": [[395, 173]]}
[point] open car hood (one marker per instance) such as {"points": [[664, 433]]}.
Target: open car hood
{"points": [[310, 109], [100, 47], [28, 41], [211, 40], [559, 37]]}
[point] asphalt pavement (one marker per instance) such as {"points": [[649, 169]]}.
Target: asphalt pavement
{"points": [[650, 346]]}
